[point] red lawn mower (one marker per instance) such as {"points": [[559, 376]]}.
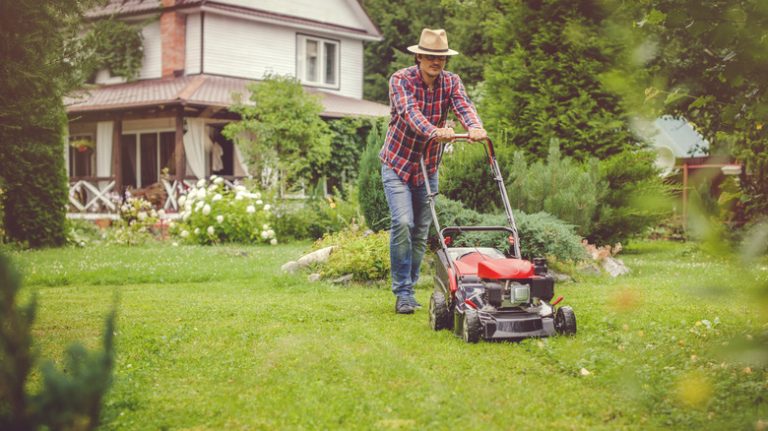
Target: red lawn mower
{"points": [[484, 293]]}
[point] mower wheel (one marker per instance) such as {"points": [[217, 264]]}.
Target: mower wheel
{"points": [[565, 321], [471, 326], [439, 313]]}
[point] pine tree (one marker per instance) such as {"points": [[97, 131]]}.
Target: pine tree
{"points": [[543, 82]]}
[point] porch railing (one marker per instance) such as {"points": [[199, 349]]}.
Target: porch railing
{"points": [[96, 197]]}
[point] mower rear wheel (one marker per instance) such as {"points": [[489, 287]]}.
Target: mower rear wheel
{"points": [[471, 326], [565, 321], [439, 313]]}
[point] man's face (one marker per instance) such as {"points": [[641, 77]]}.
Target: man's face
{"points": [[431, 65]]}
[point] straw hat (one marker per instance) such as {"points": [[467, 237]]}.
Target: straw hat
{"points": [[432, 42]]}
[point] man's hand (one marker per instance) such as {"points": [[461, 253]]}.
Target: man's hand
{"points": [[444, 134], [477, 134]]}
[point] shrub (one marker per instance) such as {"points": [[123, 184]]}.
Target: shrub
{"points": [[68, 399], [213, 214], [347, 145], [562, 187], [317, 216], [365, 256], [466, 177], [35, 200], [137, 217], [83, 232], [541, 234], [373, 201], [635, 198]]}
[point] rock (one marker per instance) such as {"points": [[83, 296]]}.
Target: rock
{"points": [[290, 267], [314, 277], [317, 256], [344, 279], [614, 267]]}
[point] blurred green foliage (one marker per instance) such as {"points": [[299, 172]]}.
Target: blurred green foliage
{"points": [[707, 62], [68, 399]]}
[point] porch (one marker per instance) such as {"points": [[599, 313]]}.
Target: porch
{"points": [[159, 137]]}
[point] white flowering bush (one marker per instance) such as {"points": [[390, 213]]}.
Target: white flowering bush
{"points": [[212, 213], [137, 218]]}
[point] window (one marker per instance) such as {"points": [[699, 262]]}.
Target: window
{"points": [[318, 61], [145, 155], [82, 155]]}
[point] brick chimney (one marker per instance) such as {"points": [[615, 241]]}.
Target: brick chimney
{"points": [[173, 32]]}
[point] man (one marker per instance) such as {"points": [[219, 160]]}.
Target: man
{"points": [[419, 97]]}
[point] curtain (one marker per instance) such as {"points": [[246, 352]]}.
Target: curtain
{"points": [[196, 142], [104, 131]]}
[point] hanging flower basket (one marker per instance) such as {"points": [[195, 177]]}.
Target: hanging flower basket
{"points": [[82, 145]]}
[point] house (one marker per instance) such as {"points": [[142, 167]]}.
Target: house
{"points": [[196, 54]]}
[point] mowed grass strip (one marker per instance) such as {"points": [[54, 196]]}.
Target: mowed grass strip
{"points": [[218, 338]]}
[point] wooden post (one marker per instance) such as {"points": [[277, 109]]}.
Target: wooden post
{"points": [[181, 165], [685, 197], [117, 136]]}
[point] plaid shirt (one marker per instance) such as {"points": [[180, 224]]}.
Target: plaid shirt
{"points": [[416, 112]]}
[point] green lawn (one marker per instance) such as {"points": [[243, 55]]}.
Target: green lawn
{"points": [[218, 338]]}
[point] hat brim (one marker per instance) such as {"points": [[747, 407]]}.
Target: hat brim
{"points": [[417, 50]]}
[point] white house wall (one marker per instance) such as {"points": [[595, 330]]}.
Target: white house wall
{"points": [[248, 49], [351, 68], [192, 56], [236, 47], [330, 11], [151, 65]]}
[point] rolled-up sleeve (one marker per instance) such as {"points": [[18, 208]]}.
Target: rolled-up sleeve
{"points": [[402, 99], [463, 108]]}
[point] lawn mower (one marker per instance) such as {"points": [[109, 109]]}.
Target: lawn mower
{"points": [[485, 293]]}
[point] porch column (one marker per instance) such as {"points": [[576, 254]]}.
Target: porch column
{"points": [[181, 166], [117, 135]]}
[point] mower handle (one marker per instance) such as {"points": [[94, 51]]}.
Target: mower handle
{"points": [[462, 137]]}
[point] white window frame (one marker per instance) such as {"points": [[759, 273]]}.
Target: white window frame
{"points": [[301, 61]]}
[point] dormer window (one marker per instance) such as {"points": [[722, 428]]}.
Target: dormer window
{"points": [[318, 61]]}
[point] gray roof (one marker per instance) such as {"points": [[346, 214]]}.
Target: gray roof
{"points": [[678, 135], [199, 90]]}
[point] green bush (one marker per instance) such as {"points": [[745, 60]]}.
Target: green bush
{"points": [[134, 227], [35, 200], [373, 202], [465, 176], [635, 199], [83, 232], [562, 187], [541, 234], [317, 216], [214, 214], [365, 256], [347, 145]]}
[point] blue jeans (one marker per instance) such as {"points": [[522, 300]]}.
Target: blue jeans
{"points": [[411, 218]]}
